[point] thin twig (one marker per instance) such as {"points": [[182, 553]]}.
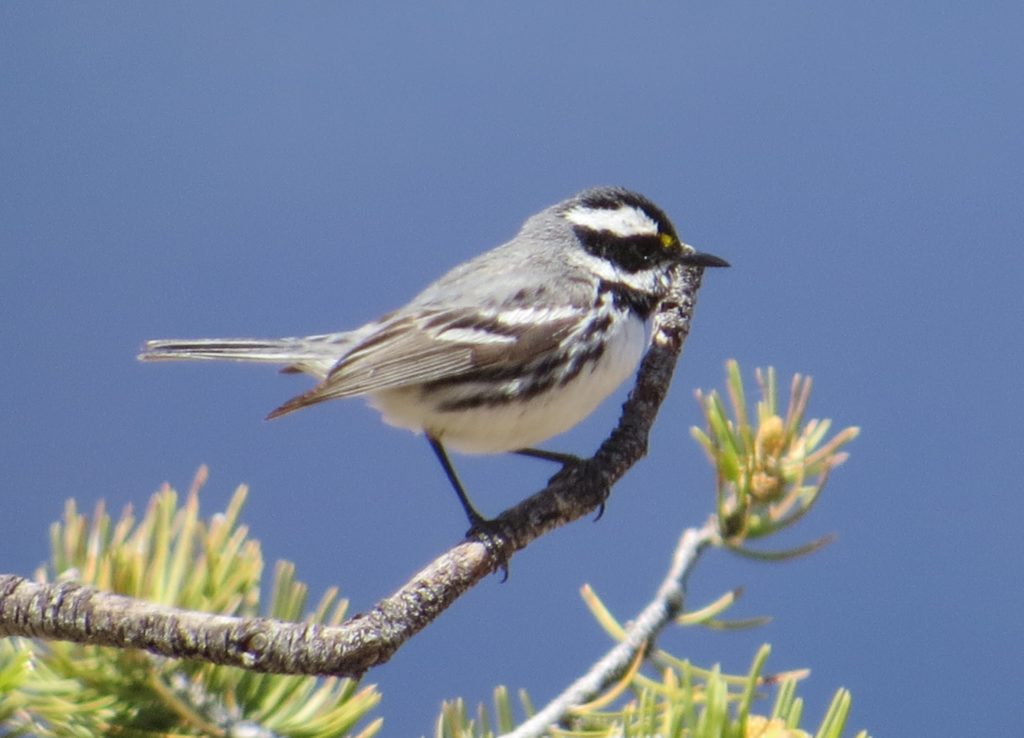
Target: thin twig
{"points": [[75, 612], [662, 610]]}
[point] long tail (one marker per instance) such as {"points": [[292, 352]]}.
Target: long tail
{"points": [[313, 355]]}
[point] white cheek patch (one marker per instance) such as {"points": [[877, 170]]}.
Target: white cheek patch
{"points": [[625, 221]]}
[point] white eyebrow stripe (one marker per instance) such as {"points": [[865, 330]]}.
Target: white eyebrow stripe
{"points": [[624, 221]]}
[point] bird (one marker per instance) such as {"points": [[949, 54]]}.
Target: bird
{"points": [[506, 350]]}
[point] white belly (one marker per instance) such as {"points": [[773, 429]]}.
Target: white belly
{"points": [[511, 426]]}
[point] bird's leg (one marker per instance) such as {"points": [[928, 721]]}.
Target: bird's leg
{"points": [[555, 456], [479, 526], [566, 460], [476, 520]]}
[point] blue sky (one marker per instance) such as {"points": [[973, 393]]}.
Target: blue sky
{"points": [[282, 169]]}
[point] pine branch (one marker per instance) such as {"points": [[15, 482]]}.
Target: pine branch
{"points": [[73, 612], [660, 612], [769, 473]]}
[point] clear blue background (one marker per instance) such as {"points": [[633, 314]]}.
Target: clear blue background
{"points": [[279, 169]]}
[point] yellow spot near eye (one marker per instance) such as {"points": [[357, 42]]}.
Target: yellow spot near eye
{"points": [[667, 240]]}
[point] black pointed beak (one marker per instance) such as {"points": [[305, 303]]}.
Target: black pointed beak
{"points": [[701, 259]]}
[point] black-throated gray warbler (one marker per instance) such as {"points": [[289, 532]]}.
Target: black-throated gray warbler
{"points": [[506, 350]]}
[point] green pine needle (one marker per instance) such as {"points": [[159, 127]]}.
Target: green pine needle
{"points": [[173, 556]]}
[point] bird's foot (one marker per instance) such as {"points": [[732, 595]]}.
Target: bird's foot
{"points": [[488, 532]]}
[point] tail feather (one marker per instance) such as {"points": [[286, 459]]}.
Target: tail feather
{"points": [[310, 355]]}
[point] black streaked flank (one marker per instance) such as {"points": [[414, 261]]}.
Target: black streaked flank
{"points": [[543, 373], [556, 369]]}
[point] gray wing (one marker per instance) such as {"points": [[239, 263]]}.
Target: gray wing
{"points": [[430, 345]]}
